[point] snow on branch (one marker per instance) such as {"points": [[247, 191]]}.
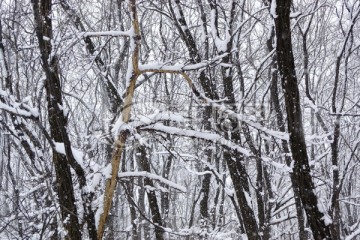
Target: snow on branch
{"points": [[245, 119], [273, 9], [107, 33], [177, 68], [152, 176], [197, 134], [141, 121], [225, 110], [9, 104], [78, 155], [353, 235], [160, 116]]}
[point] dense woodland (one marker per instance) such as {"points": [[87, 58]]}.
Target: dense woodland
{"points": [[174, 119]]}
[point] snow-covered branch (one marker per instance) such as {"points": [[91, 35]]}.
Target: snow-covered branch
{"points": [[152, 176], [9, 104]]}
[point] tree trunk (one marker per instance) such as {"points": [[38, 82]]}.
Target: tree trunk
{"points": [[153, 203], [281, 125], [297, 139], [205, 188], [64, 184], [234, 159], [129, 190]]}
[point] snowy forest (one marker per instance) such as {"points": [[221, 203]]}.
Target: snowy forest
{"points": [[180, 119]]}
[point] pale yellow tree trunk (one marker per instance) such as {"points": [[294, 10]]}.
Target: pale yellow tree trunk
{"points": [[119, 144]]}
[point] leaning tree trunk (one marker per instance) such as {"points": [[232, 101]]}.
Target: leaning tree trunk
{"points": [[64, 184], [301, 169]]}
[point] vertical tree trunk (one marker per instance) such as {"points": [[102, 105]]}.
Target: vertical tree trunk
{"points": [[168, 162], [242, 190], [297, 139], [205, 188], [234, 159], [143, 226], [129, 190], [153, 203], [64, 184], [209, 90], [281, 125], [165, 196]]}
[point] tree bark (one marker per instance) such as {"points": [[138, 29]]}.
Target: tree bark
{"points": [[281, 125], [119, 144], [64, 184], [301, 169], [234, 159], [153, 203]]}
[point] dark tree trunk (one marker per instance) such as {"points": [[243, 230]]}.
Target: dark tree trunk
{"points": [[153, 203], [165, 196], [143, 226], [241, 186], [129, 189], [297, 139], [205, 188], [58, 124], [281, 125], [64, 184], [234, 159], [209, 89]]}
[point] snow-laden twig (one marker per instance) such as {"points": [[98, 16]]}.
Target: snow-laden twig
{"points": [[106, 33], [353, 235], [142, 121], [152, 176], [9, 104], [78, 155], [177, 68], [197, 134]]}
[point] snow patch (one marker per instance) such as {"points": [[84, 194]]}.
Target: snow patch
{"points": [[307, 101], [78, 155], [326, 218], [99, 211], [107, 171], [273, 9]]}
